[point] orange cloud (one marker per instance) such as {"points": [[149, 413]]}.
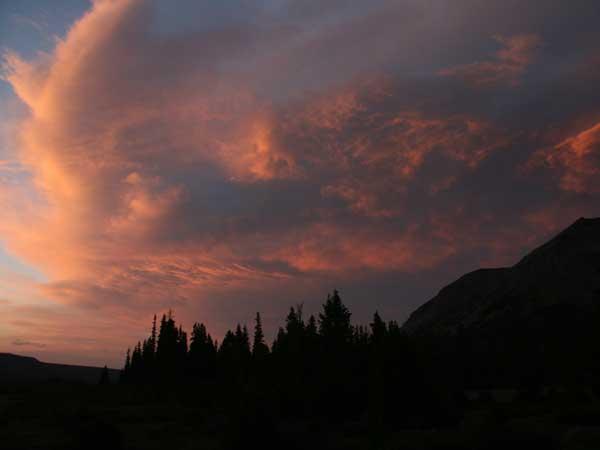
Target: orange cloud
{"points": [[507, 66], [576, 160], [122, 162], [371, 154], [331, 248]]}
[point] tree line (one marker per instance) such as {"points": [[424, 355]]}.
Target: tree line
{"points": [[320, 365]]}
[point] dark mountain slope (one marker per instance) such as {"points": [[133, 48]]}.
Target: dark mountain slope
{"points": [[537, 319], [24, 369], [564, 271]]}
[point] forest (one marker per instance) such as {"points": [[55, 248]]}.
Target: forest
{"points": [[323, 366]]}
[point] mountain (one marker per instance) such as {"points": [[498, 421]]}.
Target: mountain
{"points": [[15, 368], [540, 315]]}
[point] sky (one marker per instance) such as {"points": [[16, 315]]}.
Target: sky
{"points": [[223, 158]]}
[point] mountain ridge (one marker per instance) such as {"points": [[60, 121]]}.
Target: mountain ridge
{"points": [[564, 269], [18, 368]]}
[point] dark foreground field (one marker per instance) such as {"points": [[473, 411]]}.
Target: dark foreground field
{"points": [[74, 416]]}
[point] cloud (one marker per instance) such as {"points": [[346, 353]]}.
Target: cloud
{"points": [[575, 160], [369, 150], [335, 249], [506, 67], [132, 169], [38, 25], [26, 343]]}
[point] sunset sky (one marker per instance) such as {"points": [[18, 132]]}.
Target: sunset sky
{"points": [[227, 157]]}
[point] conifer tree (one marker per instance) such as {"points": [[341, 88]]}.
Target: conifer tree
{"points": [[259, 349], [311, 348], [104, 376], [311, 338], [278, 343], [125, 373], [203, 352], [153, 335], [147, 359], [338, 361], [136, 362], [360, 337], [294, 325], [334, 322], [311, 326], [242, 342], [182, 349], [168, 348], [227, 357], [127, 360], [378, 330]]}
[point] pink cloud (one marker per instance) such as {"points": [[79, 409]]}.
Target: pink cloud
{"points": [[329, 248], [575, 160], [110, 149], [506, 67]]}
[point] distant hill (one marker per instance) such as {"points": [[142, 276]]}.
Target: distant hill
{"points": [[15, 368], [540, 316]]}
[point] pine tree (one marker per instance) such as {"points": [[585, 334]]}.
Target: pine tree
{"points": [[279, 342], [294, 325], [127, 361], [378, 331], [161, 344], [242, 342], [246, 341], [104, 376], [334, 322], [169, 348], [360, 337], [203, 352], [182, 350], [153, 335], [311, 326], [311, 338], [136, 369], [227, 357], [337, 359], [311, 347], [125, 373], [259, 349]]}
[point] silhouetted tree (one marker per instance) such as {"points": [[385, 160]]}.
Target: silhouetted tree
{"points": [[243, 339], [149, 354], [182, 348], [278, 342], [125, 373], [334, 322], [203, 353], [311, 338], [260, 350], [234, 355], [168, 347], [311, 326], [378, 331], [288, 346], [104, 376], [136, 368]]}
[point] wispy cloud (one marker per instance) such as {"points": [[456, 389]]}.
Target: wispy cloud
{"points": [[38, 25], [575, 160], [507, 65], [27, 343]]}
